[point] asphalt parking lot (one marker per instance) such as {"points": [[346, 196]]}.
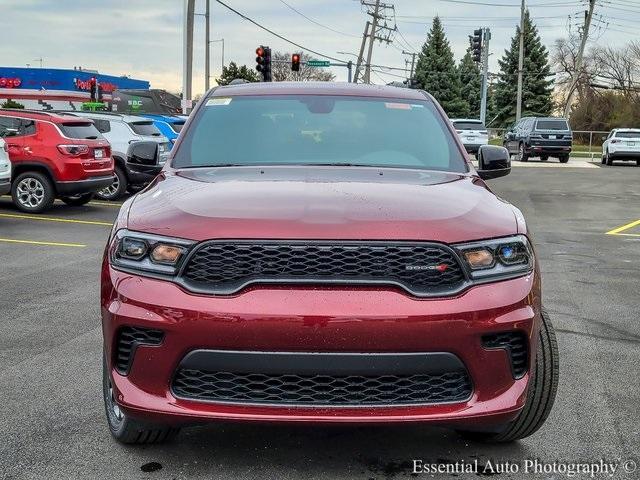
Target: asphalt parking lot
{"points": [[51, 413]]}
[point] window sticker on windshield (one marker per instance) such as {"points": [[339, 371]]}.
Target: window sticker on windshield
{"points": [[218, 101], [398, 106], [416, 105]]}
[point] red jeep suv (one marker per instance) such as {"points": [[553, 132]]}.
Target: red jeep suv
{"points": [[54, 155], [324, 253]]}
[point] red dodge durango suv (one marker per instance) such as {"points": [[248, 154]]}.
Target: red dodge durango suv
{"points": [[54, 155], [323, 253]]}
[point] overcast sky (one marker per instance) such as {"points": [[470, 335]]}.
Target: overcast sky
{"points": [[143, 38]]}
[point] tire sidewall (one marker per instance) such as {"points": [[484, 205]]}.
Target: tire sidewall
{"points": [[122, 187], [49, 192]]}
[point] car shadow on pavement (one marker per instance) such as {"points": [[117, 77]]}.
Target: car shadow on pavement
{"points": [[320, 452]]}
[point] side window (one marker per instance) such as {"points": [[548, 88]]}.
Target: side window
{"points": [[103, 126], [27, 127], [611, 134], [9, 126]]}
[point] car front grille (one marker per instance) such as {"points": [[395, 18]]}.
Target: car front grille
{"points": [[516, 344], [127, 340], [225, 267], [323, 390]]}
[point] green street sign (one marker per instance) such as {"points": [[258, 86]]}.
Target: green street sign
{"points": [[318, 63]]}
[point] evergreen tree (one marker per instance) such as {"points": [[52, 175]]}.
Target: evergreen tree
{"points": [[233, 71], [436, 72], [536, 86], [471, 84]]}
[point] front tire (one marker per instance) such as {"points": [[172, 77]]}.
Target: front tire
{"points": [[116, 189], [543, 385], [126, 429], [78, 200], [32, 192], [564, 159]]}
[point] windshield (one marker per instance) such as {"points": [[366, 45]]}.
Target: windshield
{"points": [[145, 128], [469, 126], [80, 130], [552, 125], [632, 134], [319, 129]]}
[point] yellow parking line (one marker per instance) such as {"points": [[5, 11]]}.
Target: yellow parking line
{"points": [[55, 219], [50, 244], [616, 231], [628, 234], [105, 204]]}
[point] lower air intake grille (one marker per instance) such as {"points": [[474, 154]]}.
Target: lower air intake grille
{"points": [[517, 346], [227, 266], [322, 390], [127, 341]]}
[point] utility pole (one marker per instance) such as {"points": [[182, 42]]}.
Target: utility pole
{"points": [[413, 61], [485, 73], [374, 25], [365, 35], [207, 46], [520, 63], [187, 55], [583, 43], [380, 14]]}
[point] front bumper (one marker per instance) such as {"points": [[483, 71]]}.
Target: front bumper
{"points": [[78, 187], [5, 186], [299, 319]]}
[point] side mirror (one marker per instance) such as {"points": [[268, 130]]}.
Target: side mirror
{"points": [[143, 154], [493, 162], [144, 157]]}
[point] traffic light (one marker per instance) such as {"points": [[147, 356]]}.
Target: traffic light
{"points": [[263, 62], [476, 45], [295, 62]]}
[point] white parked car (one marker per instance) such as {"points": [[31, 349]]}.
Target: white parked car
{"points": [[5, 169], [472, 133], [122, 130], [622, 144]]}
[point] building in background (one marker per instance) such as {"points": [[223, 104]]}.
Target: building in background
{"points": [[61, 89]]}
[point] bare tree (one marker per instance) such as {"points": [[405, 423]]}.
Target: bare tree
{"points": [[564, 57], [620, 67], [281, 69]]}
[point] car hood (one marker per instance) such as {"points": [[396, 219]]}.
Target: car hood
{"points": [[320, 203]]}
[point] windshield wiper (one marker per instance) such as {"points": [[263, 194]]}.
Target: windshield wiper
{"points": [[335, 164]]}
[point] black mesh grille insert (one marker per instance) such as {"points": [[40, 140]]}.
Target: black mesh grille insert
{"points": [[227, 266], [328, 390], [127, 341], [517, 346]]}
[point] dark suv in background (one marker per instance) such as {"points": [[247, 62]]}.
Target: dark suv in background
{"points": [[542, 137]]}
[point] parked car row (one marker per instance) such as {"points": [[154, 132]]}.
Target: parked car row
{"points": [[546, 137], [75, 156]]}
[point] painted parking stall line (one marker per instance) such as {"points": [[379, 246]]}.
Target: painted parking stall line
{"points": [[42, 243], [623, 228], [43, 218]]}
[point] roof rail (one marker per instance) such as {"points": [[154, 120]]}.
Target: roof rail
{"points": [[238, 81]]}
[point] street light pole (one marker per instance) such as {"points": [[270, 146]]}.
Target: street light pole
{"points": [[187, 55], [207, 43], [520, 64]]}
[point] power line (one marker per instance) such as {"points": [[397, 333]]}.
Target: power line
{"points": [[318, 23], [243, 16], [554, 4]]}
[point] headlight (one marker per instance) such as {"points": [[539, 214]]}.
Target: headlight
{"points": [[148, 253], [500, 257]]}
